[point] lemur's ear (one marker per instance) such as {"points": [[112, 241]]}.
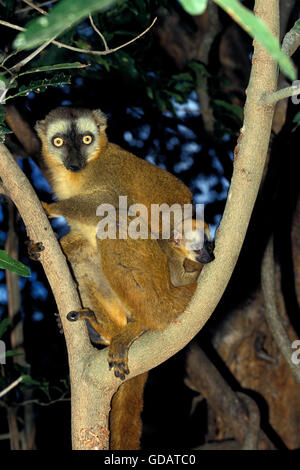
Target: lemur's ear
{"points": [[100, 118], [175, 238], [39, 127]]}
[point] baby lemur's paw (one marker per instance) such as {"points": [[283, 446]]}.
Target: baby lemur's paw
{"points": [[34, 249], [46, 208], [95, 327], [83, 314], [51, 210], [118, 357]]}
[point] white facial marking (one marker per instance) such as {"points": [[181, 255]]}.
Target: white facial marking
{"points": [[87, 124], [61, 126]]}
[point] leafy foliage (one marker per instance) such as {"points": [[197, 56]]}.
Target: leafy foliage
{"points": [[63, 16], [39, 86]]}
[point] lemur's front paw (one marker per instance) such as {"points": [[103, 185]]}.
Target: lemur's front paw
{"points": [[118, 357], [34, 249]]}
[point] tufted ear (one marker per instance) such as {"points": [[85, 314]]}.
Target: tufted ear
{"points": [[40, 127], [100, 118]]}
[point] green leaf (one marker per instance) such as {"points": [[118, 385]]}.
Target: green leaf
{"points": [[13, 353], [64, 15], [3, 131], [297, 117], [3, 79], [2, 114], [26, 379], [7, 262], [82, 45], [236, 110], [194, 7], [176, 96], [199, 69], [149, 92], [103, 62], [183, 76], [256, 28], [4, 324], [41, 85], [51, 68]]}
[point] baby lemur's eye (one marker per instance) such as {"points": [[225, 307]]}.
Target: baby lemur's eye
{"points": [[87, 139], [58, 141]]}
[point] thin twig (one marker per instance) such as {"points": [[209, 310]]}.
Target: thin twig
{"points": [[38, 402], [272, 98], [12, 26], [35, 7], [126, 43], [24, 9], [11, 386], [31, 56], [85, 51], [272, 315], [98, 32]]}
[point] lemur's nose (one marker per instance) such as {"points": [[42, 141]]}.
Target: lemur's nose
{"points": [[74, 168]]}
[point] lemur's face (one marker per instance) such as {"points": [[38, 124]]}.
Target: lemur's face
{"points": [[71, 136]]}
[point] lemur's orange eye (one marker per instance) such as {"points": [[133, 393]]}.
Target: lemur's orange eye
{"points": [[58, 141], [87, 139]]}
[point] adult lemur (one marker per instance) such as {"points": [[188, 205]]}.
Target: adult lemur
{"points": [[126, 283]]}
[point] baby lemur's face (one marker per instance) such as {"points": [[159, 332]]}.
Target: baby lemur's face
{"points": [[196, 244], [72, 136]]}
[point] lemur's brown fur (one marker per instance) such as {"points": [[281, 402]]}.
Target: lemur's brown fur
{"points": [[126, 283]]}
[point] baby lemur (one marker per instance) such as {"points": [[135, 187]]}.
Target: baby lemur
{"points": [[125, 282]]}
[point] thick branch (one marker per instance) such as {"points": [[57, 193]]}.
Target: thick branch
{"points": [[252, 437], [224, 401], [18, 188], [271, 312], [38, 228], [22, 131]]}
